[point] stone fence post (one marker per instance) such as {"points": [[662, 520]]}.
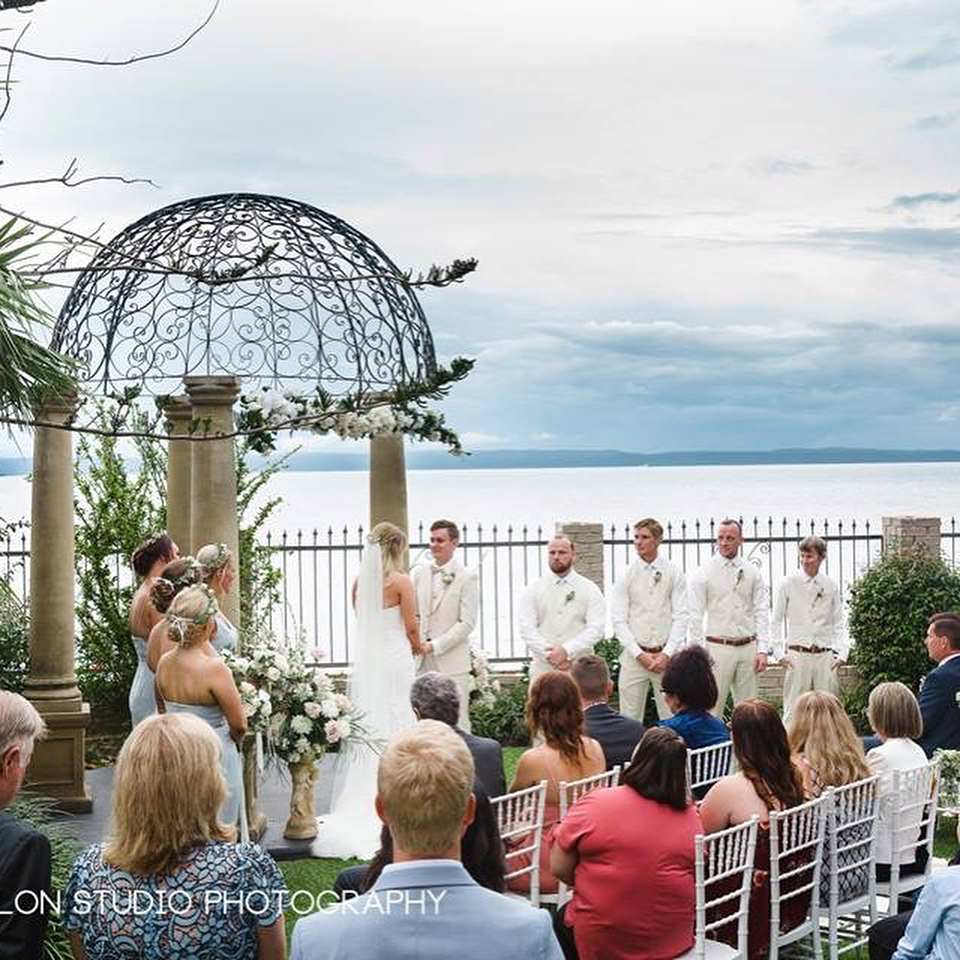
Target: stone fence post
{"points": [[908, 534], [587, 540]]}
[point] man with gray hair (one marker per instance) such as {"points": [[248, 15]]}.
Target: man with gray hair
{"points": [[24, 851], [435, 696], [808, 621]]}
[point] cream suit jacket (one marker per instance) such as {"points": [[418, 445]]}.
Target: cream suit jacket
{"points": [[448, 614]]}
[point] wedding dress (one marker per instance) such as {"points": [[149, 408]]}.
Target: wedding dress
{"points": [[383, 672]]}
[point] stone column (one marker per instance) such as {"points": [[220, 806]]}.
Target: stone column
{"points": [[58, 762], [179, 412], [213, 509], [388, 480], [587, 540], [912, 534]]}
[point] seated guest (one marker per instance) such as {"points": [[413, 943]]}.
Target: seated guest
{"points": [[894, 716], [630, 845], [24, 851], [930, 930], [617, 735], [165, 837], [940, 688], [424, 797], [768, 779], [690, 689], [435, 696], [554, 714], [481, 852]]}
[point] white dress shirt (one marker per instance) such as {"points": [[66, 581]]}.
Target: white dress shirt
{"points": [[565, 611], [808, 611], [897, 753], [733, 596], [648, 607]]}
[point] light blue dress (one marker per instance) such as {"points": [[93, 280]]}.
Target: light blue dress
{"points": [[229, 754], [141, 701], [226, 636]]}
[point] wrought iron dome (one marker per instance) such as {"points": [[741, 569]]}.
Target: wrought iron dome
{"points": [[242, 284]]}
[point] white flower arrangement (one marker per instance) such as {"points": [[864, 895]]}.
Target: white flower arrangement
{"points": [[949, 778], [483, 690]]}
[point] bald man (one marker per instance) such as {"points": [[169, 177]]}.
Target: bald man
{"points": [[562, 614]]}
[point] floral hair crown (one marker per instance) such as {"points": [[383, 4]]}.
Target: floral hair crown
{"points": [[148, 541], [212, 566], [187, 578], [181, 624]]}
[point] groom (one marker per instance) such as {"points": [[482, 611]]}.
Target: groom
{"points": [[448, 598]]}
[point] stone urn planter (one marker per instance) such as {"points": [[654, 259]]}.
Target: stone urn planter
{"points": [[302, 823]]}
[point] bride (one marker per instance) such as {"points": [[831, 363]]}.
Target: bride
{"points": [[388, 638]]}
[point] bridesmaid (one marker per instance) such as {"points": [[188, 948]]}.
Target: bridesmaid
{"points": [[218, 571], [148, 560], [191, 678], [174, 577]]}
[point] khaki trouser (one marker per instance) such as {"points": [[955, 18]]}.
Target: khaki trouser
{"points": [[462, 680], [807, 671], [635, 680], [733, 668]]}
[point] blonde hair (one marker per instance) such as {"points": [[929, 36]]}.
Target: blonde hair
{"points": [[212, 559], [20, 725], [393, 547], [822, 733], [424, 783], [189, 614], [893, 711], [167, 790]]}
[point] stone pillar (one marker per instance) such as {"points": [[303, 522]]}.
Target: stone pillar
{"points": [[388, 480], [213, 513], [912, 534], [587, 540], [56, 769], [179, 413]]}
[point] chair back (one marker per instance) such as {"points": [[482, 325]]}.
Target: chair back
{"points": [[520, 819], [796, 849], [724, 874], [707, 765]]}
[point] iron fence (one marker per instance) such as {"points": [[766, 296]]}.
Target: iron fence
{"points": [[318, 566]]}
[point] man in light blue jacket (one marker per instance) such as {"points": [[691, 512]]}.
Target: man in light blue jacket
{"points": [[425, 905]]}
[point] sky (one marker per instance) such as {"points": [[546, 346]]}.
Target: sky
{"points": [[699, 225]]}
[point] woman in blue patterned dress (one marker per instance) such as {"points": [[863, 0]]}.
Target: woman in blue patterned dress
{"points": [[218, 570], [170, 884], [148, 560]]}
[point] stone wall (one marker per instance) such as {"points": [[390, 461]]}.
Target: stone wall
{"points": [[906, 534], [587, 540]]}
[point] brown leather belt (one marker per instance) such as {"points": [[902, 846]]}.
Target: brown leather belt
{"points": [[650, 649], [736, 642], [802, 649]]}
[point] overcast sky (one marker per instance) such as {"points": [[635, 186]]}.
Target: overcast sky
{"points": [[699, 225]]}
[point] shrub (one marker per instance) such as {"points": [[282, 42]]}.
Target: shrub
{"points": [[610, 649], [889, 609], [502, 718], [14, 640]]}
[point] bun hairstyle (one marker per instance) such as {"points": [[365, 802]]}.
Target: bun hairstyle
{"points": [[189, 613], [175, 576], [212, 559], [158, 546], [393, 547]]}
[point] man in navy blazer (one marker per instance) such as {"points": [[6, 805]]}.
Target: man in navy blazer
{"points": [[617, 735], [24, 851], [940, 690], [425, 905]]}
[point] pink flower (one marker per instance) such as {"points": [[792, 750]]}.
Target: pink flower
{"points": [[332, 730]]}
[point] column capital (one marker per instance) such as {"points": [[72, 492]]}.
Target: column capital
{"points": [[213, 391], [59, 406], [177, 409]]}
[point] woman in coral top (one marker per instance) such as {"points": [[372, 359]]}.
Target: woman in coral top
{"points": [[628, 851]]}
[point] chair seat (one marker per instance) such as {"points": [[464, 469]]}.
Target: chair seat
{"points": [[714, 951]]}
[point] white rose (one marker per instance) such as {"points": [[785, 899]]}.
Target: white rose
{"points": [[273, 673], [332, 730], [303, 744], [247, 687], [343, 703], [301, 724], [344, 727], [281, 663], [330, 709], [312, 709], [293, 757]]}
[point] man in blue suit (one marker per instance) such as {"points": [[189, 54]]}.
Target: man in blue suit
{"points": [[425, 905], [940, 689]]}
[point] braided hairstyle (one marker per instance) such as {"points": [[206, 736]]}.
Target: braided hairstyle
{"points": [[175, 576], [189, 614], [212, 559]]}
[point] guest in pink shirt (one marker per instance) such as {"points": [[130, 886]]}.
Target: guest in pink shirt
{"points": [[628, 851]]}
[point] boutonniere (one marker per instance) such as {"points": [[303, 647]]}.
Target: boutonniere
{"points": [[739, 576], [819, 595], [447, 577], [657, 577], [570, 597]]}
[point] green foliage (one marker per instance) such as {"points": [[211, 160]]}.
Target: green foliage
{"points": [[610, 649], [14, 640], [889, 609], [63, 852], [115, 510], [502, 718]]}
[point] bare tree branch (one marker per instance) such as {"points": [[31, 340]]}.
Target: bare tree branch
{"points": [[115, 63], [68, 178], [6, 82]]}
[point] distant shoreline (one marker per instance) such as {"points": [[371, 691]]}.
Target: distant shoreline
{"points": [[579, 459]]}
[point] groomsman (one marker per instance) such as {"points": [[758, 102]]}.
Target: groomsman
{"points": [[648, 608], [562, 614], [808, 621], [731, 596], [448, 599]]}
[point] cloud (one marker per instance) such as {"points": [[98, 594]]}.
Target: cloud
{"points": [[781, 166], [944, 52], [936, 121], [909, 241], [949, 414], [910, 201]]}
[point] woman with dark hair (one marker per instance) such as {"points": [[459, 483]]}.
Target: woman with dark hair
{"points": [[690, 690], [555, 717], [153, 554], [769, 778], [174, 577], [630, 845]]}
